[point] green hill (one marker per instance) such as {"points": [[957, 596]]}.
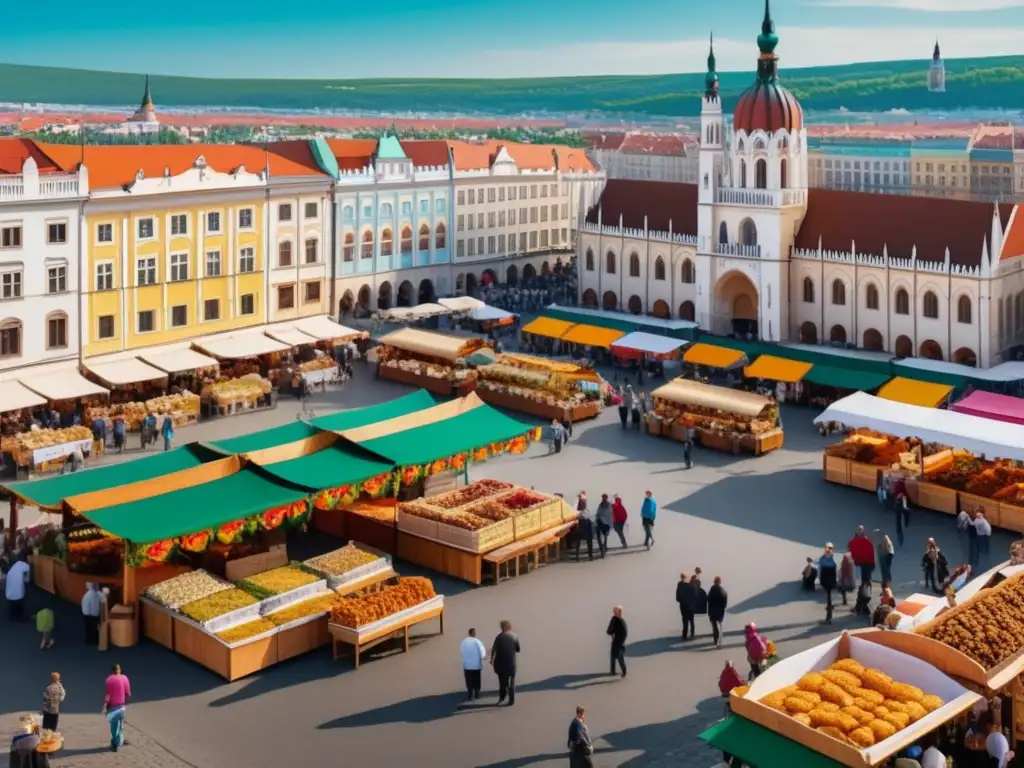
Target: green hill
{"points": [[970, 83]]}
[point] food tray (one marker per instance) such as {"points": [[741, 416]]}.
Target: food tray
{"points": [[283, 600], [397, 618], [248, 640], [229, 619], [495, 535], [418, 526], [358, 574], [300, 622]]}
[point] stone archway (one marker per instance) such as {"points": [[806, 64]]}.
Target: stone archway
{"points": [[736, 304], [471, 284], [661, 309], [966, 356], [364, 297], [590, 299], [609, 300], [384, 296], [529, 272], [636, 305], [460, 282], [809, 333], [837, 335], [687, 311], [426, 292], [347, 303], [512, 275], [903, 347], [930, 350], [404, 294], [873, 340]]}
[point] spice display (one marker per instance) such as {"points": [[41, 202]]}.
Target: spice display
{"points": [[212, 606], [481, 489], [491, 510], [319, 604], [247, 630], [186, 588], [421, 510], [852, 703], [467, 521], [521, 500], [341, 560], [277, 581], [357, 612], [382, 514]]}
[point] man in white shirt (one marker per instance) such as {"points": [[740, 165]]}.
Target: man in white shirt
{"points": [[91, 606], [984, 530], [14, 590], [473, 655]]}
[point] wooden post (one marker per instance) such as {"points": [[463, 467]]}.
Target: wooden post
{"points": [[128, 591], [12, 522]]}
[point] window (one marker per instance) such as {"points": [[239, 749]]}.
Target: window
{"points": [[10, 284], [902, 302], [245, 218], [963, 310], [424, 238], [522, 242], [501, 195], [312, 211], [554, 212], [10, 338], [533, 239], [312, 250], [104, 233], [439, 237], [146, 321], [511, 193], [480, 245], [311, 291], [460, 223], [211, 309], [460, 249], [871, 297], [386, 243], [838, 293], [247, 260], [659, 268], [522, 191], [56, 233], [56, 331], [609, 262], [689, 272], [366, 251], [213, 263], [348, 248], [480, 195], [589, 260], [472, 197], [213, 222], [386, 211], [808, 285], [56, 279], [179, 267], [634, 264], [145, 229], [284, 254], [543, 213], [145, 271], [491, 244], [284, 212], [490, 194], [247, 304], [501, 242], [407, 208], [179, 316], [533, 215], [10, 237], [471, 222], [501, 218], [533, 190], [472, 246], [461, 199], [931, 305], [491, 219], [179, 224], [511, 217], [104, 276], [105, 327], [480, 221]]}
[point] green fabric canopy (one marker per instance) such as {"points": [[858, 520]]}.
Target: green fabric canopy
{"points": [[469, 430], [845, 378], [751, 349], [762, 748], [336, 465], [620, 321], [201, 507], [862, 361], [266, 438], [935, 377], [51, 492]]}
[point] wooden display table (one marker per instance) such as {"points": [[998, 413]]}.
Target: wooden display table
{"points": [[330, 521], [535, 552], [581, 412], [229, 661], [302, 636], [439, 557], [990, 507], [371, 532], [835, 469], [937, 497], [157, 623], [430, 383], [365, 638], [864, 476]]}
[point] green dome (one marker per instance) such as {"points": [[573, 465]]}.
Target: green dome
{"points": [[767, 40]]}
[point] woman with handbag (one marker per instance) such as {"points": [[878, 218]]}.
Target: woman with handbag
{"points": [[581, 749]]}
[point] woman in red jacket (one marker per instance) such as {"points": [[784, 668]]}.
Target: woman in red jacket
{"points": [[619, 519]]}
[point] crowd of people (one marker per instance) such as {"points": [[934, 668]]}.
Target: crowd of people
{"points": [[530, 295]]}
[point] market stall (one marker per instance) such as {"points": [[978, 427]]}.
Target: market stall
{"points": [[461, 304], [591, 336], [413, 314], [541, 387], [433, 361], [487, 317], [251, 365], [16, 405], [639, 344], [780, 369], [542, 334], [722, 418], [685, 330], [913, 392], [989, 405]]}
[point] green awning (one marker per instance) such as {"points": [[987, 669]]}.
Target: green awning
{"points": [[857, 360], [472, 429], [935, 377], [620, 321], [751, 349], [267, 438], [201, 507], [50, 492], [335, 465], [845, 378], [762, 748]]}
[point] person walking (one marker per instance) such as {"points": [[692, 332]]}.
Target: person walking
{"points": [[53, 695], [983, 530], [619, 517], [581, 749], [14, 589], [584, 533], [886, 553], [119, 433], [473, 654], [119, 690], [688, 446], [828, 577], [637, 408], [624, 393], [557, 436], [863, 553], [167, 432], [718, 600], [92, 603], [44, 626], [847, 581], [935, 566], [685, 596], [648, 513], [618, 632], [964, 524], [603, 520], [503, 659]]}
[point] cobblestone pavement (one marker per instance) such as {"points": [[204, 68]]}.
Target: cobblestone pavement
{"points": [[750, 520]]}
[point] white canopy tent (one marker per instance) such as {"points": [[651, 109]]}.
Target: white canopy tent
{"points": [[238, 346], [119, 370], [461, 303], [958, 430], [177, 358], [322, 328], [60, 381], [14, 396], [288, 334], [485, 313], [650, 343], [407, 314]]}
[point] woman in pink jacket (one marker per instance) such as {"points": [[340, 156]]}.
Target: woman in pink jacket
{"points": [[619, 519]]}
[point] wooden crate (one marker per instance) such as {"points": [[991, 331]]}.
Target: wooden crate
{"points": [[429, 554], [1011, 517], [551, 514], [991, 507], [157, 624], [937, 497], [467, 566], [230, 663], [653, 426], [835, 469], [769, 441], [495, 535], [306, 637], [527, 524], [244, 567], [429, 383], [864, 476], [330, 521], [417, 526]]}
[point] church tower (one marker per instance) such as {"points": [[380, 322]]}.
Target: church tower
{"points": [[937, 72], [712, 130]]}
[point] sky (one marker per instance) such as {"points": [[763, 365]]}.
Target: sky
{"points": [[492, 38]]}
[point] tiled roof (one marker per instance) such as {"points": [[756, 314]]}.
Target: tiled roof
{"points": [[14, 153], [608, 141], [1013, 240], [352, 154], [424, 153], [475, 156], [898, 223], [660, 201], [654, 144], [993, 137]]}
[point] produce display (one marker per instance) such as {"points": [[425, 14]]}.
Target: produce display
{"points": [[713, 420], [245, 390], [854, 704], [320, 604], [341, 560], [277, 581], [378, 512], [355, 612], [430, 370], [22, 444], [317, 364], [186, 588], [96, 553], [492, 510], [181, 407], [467, 521], [481, 489], [988, 628], [212, 606], [540, 385], [422, 510], [247, 630], [521, 500]]}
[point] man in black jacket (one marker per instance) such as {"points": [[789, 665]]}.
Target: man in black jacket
{"points": [[718, 599], [618, 631], [503, 659], [686, 597]]}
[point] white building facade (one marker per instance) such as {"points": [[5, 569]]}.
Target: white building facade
{"points": [[647, 156]]}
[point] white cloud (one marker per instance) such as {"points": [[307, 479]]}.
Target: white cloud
{"points": [[799, 47], [927, 6]]}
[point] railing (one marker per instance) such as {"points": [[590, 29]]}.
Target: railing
{"points": [[48, 187], [764, 198], [737, 249]]}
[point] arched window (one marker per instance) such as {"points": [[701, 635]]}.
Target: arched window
{"points": [[439, 238], [838, 293], [739, 145], [743, 171], [386, 211], [783, 174], [808, 290], [56, 330], [659, 268], [930, 306], [687, 311], [748, 232], [634, 264], [10, 338], [348, 213], [348, 251], [761, 174], [590, 260], [837, 335], [963, 310], [759, 145], [424, 237], [609, 263], [367, 248], [723, 233], [902, 302], [386, 243], [406, 245], [871, 296], [689, 272]]}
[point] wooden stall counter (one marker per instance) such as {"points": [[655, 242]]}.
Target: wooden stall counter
{"points": [[433, 384], [365, 638], [301, 637], [541, 410], [835, 469], [229, 661]]}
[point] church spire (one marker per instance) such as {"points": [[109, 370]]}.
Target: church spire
{"points": [[711, 78], [147, 99], [767, 62], [935, 54]]}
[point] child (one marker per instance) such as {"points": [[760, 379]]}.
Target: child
{"points": [[863, 604], [810, 575], [44, 626]]}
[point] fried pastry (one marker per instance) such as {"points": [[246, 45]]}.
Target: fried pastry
{"points": [[862, 737]]}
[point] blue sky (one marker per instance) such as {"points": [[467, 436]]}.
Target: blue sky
{"points": [[487, 38]]}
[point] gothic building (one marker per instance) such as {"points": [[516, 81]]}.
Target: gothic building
{"points": [[937, 72], [749, 249]]}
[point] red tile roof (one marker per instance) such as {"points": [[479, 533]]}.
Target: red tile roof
{"points": [[609, 141], [767, 107], [352, 154], [1013, 239], [872, 222], [660, 201], [994, 137], [426, 153], [654, 144], [14, 153], [475, 156]]}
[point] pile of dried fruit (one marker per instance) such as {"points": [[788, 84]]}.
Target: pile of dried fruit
{"points": [[521, 500], [421, 510], [356, 612], [481, 489], [467, 521], [277, 581], [319, 604], [218, 604], [247, 630], [341, 560], [186, 588], [491, 510], [378, 512]]}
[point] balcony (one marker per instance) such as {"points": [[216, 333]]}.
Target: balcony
{"points": [[32, 186], [761, 198], [737, 249]]}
